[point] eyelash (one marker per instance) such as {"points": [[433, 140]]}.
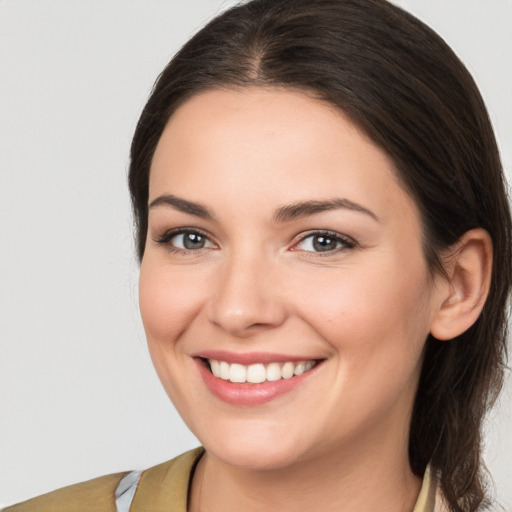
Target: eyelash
{"points": [[167, 237], [345, 242]]}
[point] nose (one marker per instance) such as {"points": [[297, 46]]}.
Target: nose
{"points": [[249, 297]]}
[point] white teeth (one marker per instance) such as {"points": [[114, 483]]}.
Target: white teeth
{"points": [[224, 370], [238, 373], [287, 370], [273, 372], [257, 373], [215, 366], [299, 369]]}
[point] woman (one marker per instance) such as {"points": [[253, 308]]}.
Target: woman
{"points": [[324, 239]]}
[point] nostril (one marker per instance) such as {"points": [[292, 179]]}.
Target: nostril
{"points": [[258, 325]]}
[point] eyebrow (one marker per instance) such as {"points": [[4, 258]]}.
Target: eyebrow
{"points": [[182, 205], [306, 208], [283, 214]]}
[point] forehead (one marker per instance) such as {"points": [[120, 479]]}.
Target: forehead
{"points": [[283, 144]]}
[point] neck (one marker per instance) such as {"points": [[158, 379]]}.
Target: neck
{"points": [[356, 480]]}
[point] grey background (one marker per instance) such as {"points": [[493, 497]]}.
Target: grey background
{"points": [[78, 395]]}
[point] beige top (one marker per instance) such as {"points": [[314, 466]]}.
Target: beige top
{"points": [[162, 488]]}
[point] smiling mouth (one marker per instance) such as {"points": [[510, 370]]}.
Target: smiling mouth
{"points": [[259, 372]]}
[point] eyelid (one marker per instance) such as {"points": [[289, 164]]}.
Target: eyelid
{"points": [[167, 236], [346, 241]]}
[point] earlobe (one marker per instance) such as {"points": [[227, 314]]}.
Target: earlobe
{"points": [[462, 294]]}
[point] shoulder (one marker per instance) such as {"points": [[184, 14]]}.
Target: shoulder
{"points": [[158, 486], [96, 494], [165, 487], [430, 498]]}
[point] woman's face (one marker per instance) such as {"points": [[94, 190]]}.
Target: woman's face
{"points": [[280, 242]]}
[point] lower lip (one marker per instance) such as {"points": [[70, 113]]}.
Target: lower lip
{"points": [[249, 394]]}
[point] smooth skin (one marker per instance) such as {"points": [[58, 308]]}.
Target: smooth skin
{"points": [[234, 265]]}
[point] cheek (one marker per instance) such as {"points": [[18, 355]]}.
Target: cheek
{"points": [[377, 324], [385, 307], [168, 300]]}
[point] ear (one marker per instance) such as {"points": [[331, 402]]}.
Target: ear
{"points": [[463, 293]]}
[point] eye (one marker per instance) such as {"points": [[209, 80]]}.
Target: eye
{"points": [[324, 242], [185, 240]]}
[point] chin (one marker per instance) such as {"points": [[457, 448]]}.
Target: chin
{"points": [[259, 450], [253, 457]]}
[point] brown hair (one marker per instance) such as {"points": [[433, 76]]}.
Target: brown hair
{"points": [[400, 83]]}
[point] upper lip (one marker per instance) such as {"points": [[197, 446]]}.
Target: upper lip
{"points": [[247, 358]]}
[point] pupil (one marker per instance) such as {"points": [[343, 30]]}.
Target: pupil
{"points": [[323, 243], [193, 241]]}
